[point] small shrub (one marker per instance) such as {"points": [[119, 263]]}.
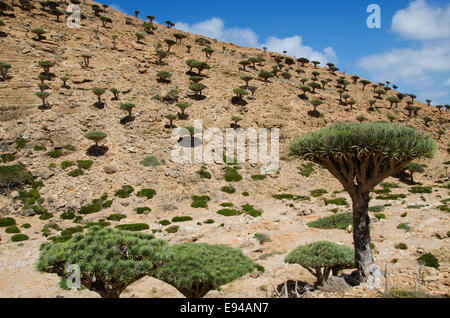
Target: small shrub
{"points": [[380, 216], [306, 169], [228, 189], [337, 221], [12, 230], [172, 229], [143, 210], [229, 212], [178, 219], [421, 190], [232, 174], [200, 201], [76, 173], [337, 201], [137, 227], [429, 260], [146, 193], [318, 193], [258, 177], [7, 222], [19, 238], [404, 226], [125, 192], [401, 246], [262, 238], [116, 217], [84, 164]]}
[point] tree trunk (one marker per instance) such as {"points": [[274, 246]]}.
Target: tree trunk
{"points": [[367, 270]]}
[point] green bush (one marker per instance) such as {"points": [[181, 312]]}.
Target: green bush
{"points": [[76, 173], [14, 176], [84, 164], [195, 269], [116, 217], [150, 161], [178, 219], [250, 210], [380, 216], [19, 237], [228, 189], [146, 193], [133, 227], [68, 215], [401, 246], [7, 221], [125, 192], [66, 164], [337, 201], [229, 212], [172, 229], [143, 210], [165, 222], [390, 197], [404, 226], [12, 230], [204, 174], [7, 157], [262, 238], [401, 293], [429, 260], [421, 190], [26, 226], [114, 269], [292, 197], [322, 258], [200, 201], [336, 221], [56, 153], [232, 174], [318, 192], [377, 208], [259, 177], [306, 169]]}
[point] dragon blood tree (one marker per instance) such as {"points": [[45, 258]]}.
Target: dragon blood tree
{"points": [[195, 269], [109, 259], [360, 156]]}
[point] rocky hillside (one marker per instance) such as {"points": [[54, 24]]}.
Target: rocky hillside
{"points": [[49, 141]]}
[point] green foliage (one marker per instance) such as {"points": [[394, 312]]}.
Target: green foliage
{"points": [[292, 197], [306, 169], [165, 222], [258, 177], [318, 192], [228, 189], [195, 269], [56, 153], [429, 260], [137, 227], [116, 217], [337, 201], [262, 238], [377, 208], [143, 210], [136, 256], [204, 174], [68, 215], [229, 212], [150, 161], [95, 136], [391, 197], [337, 221], [26, 226], [179, 219], [19, 238], [401, 293], [84, 164], [421, 190], [323, 257], [125, 192], [7, 157], [404, 226], [351, 139], [65, 164], [401, 246], [200, 201], [12, 230], [76, 173], [380, 216], [14, 176], [146, 193], [172, 229], [250, 210], [232, 174], [265, 75]]}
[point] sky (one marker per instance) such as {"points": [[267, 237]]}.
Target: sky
{"points": [[411, 49]]}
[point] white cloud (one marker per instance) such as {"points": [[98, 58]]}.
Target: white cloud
{"points": [[422, 21], [408, 65], [215, 28], [426, 65], [447, 82], [293, 45]]}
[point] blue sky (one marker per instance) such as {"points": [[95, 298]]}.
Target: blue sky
{"points": [[411, 49]]}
